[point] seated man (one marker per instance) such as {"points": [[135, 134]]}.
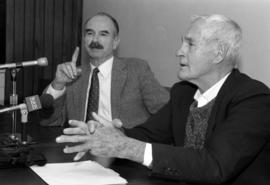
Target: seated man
{"points": [[215, 128], [113, 87]]}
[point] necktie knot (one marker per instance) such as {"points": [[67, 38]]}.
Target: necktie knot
{"points": [[95, 71]]}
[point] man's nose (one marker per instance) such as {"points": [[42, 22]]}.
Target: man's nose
{"points": [[95, 38], [180, 52]]}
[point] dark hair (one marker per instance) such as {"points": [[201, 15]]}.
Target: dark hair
{"points": [[115, 23]]}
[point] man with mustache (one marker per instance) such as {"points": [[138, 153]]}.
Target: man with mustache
{"points": [[126, 86], [214, 130]]}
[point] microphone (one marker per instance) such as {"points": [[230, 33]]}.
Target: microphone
{"points": [[39, 62], [32, 103]]}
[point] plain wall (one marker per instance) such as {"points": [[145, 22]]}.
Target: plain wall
{"points": [[151, 30]]}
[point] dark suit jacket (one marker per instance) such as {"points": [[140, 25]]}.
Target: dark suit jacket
{"points": [[135, 94], [237, 149]]}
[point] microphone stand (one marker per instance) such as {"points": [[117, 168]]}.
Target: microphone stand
{"points": [[24, 120], [14, 138], [13, 100], [16, 152], [21, 154]]}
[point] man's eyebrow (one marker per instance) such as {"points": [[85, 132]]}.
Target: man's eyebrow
{"points": [[102, 31], [88, 29], [105, 31], [188, 39]]}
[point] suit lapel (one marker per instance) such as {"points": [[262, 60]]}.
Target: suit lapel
{"points": [[181, 111], [82, 89], [119, 76], [224, 94]]}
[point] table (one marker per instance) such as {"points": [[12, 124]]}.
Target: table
{"points": [[44, 137]]}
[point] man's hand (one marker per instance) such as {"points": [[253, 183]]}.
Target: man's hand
{"points": [[78, 128], [100, 121], [92, 126], [67, 72], [105, 142]]}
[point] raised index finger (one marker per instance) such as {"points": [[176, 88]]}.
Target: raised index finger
{"points": [[75, 55], [74, 61]]}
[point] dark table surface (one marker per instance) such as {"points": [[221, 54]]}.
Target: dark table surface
{"points": [[44, 143]]}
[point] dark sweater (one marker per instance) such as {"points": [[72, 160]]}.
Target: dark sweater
{"points": [[197, 123]]}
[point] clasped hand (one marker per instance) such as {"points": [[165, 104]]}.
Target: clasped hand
{"points": [[100, 137]]}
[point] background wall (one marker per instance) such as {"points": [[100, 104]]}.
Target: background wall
{"points": [[2, 48], [151, 30], [39, 28]]}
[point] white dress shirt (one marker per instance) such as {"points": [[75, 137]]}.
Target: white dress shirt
{"points": [[202, 99], [104, 77]]}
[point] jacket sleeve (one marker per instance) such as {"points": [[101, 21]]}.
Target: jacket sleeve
{"points": [[157, 128], [241, 132], [153, 94], [57, 115], [234, 144]]}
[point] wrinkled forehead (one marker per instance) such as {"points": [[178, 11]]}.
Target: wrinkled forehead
{"points": [[100, 23], [199, 31], [194, 32]]}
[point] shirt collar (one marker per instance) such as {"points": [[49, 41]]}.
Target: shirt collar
{"points": [[210, 94], [105, 68]]}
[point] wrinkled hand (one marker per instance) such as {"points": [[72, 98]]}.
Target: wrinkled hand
{"points": [[67, 72], [77, 128], [98, 122], [106, 141], [80, 128]]}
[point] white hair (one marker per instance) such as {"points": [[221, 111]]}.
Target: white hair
{"points": [[223, 29]]}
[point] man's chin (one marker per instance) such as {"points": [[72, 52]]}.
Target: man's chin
{"points": [[184, 76], [95, 55], [94, 52]]}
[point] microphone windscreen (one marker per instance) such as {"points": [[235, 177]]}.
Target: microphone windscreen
{"points": [[47, 106], [42, 61], [46, 100]]}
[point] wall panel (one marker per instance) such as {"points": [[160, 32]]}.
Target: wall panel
{"points": [[40, 28], [152, 30]]}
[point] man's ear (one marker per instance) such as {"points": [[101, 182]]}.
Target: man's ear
{"points": [[116, 42], [222, 51]]}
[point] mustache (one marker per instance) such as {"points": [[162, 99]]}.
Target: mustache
{"points": [[95, 45]]}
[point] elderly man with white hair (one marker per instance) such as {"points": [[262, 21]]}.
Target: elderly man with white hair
{"points": [[214, 130]]}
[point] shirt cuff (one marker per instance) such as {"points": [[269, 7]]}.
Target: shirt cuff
{"points": [[55, 93], [147, 159]]}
